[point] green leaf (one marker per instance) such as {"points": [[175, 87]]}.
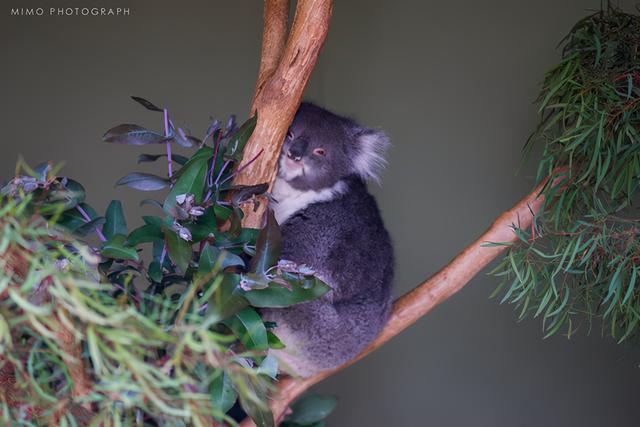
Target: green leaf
{"points": [[191, 181], [152, 220], [180, 251], [227, 298], [212, 256], [311, 409], [68, 196], [222, 212], [145, 234], [71, 219], [115, 221], [238, 140], [203, 226], [249, 328], [276, 296], [268, 246], [115, 248], [260, 414], [142, 158], [89, 227], [155, 271], [274, 341], [222, 393], [269, 367]]}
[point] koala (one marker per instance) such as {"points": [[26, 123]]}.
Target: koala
{"points": [[331, 223]]}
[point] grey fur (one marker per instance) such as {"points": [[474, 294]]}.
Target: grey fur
{"points": [[341, 236]]}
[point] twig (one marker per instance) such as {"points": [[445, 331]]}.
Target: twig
{"points": [[87, 218]]}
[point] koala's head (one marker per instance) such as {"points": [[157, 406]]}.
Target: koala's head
{"points": [[321, 148]]}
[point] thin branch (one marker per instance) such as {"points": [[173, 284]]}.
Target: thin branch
{"points": [[274, 36], [87, 218], [279, 96], [409, 308]]}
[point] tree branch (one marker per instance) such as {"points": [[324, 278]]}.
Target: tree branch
{"points": [[278, 97], [82, 384], [274, 36], [413, 305]]}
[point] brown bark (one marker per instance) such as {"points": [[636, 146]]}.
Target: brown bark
{"points": [[278, 96], [413, 305], [274, 36], [77, 371]]}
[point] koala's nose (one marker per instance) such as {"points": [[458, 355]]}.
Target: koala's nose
{"points": [[297, 149]]}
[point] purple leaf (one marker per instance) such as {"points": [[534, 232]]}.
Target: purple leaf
{"points": [[143, 181], [186, 140], [146, 104], [153, 157], [151, 202], [133, 135]]}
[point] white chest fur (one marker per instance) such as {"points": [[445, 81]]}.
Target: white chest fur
{"points": [[289, 200]]}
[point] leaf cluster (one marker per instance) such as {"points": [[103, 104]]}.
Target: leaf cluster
{"points": [[581, 256], [170, 336]]}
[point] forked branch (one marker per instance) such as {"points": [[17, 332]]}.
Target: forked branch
{"points": [[280, 86]]}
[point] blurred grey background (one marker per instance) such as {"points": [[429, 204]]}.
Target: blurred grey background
{"points": [[452, 82]]}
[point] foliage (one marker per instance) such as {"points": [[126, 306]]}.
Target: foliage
{"points": [[110, 335], [310, 411], [582, 254]]}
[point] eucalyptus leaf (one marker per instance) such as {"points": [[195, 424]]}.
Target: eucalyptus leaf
{"points": [[116, 248], [142, 158], [311, 409], [179, 250], [68, 194], [115, 222], [131, 134], [89, 227], [146, 104], [145, 234], [143, 181], [249, 328], [277, 296], [227, 298], [222, 393], [239, 139], [268, 246], [191, 181]]}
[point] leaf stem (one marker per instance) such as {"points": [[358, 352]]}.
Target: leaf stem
{"points": [[243, 167], [87, 218], [224, 166], [166, 134]]}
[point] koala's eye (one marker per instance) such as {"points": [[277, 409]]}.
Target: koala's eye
{"points": [[319, 152], [290, 135]]}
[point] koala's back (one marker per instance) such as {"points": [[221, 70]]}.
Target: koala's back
{"points": [[345, 241]]}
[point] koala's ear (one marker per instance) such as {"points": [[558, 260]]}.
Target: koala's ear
{"points": [[372, 145]]}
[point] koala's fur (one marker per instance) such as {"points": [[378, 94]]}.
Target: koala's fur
{"points": [[331, 223]]}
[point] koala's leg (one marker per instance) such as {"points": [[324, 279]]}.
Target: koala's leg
{"points": [[320, 335]]}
